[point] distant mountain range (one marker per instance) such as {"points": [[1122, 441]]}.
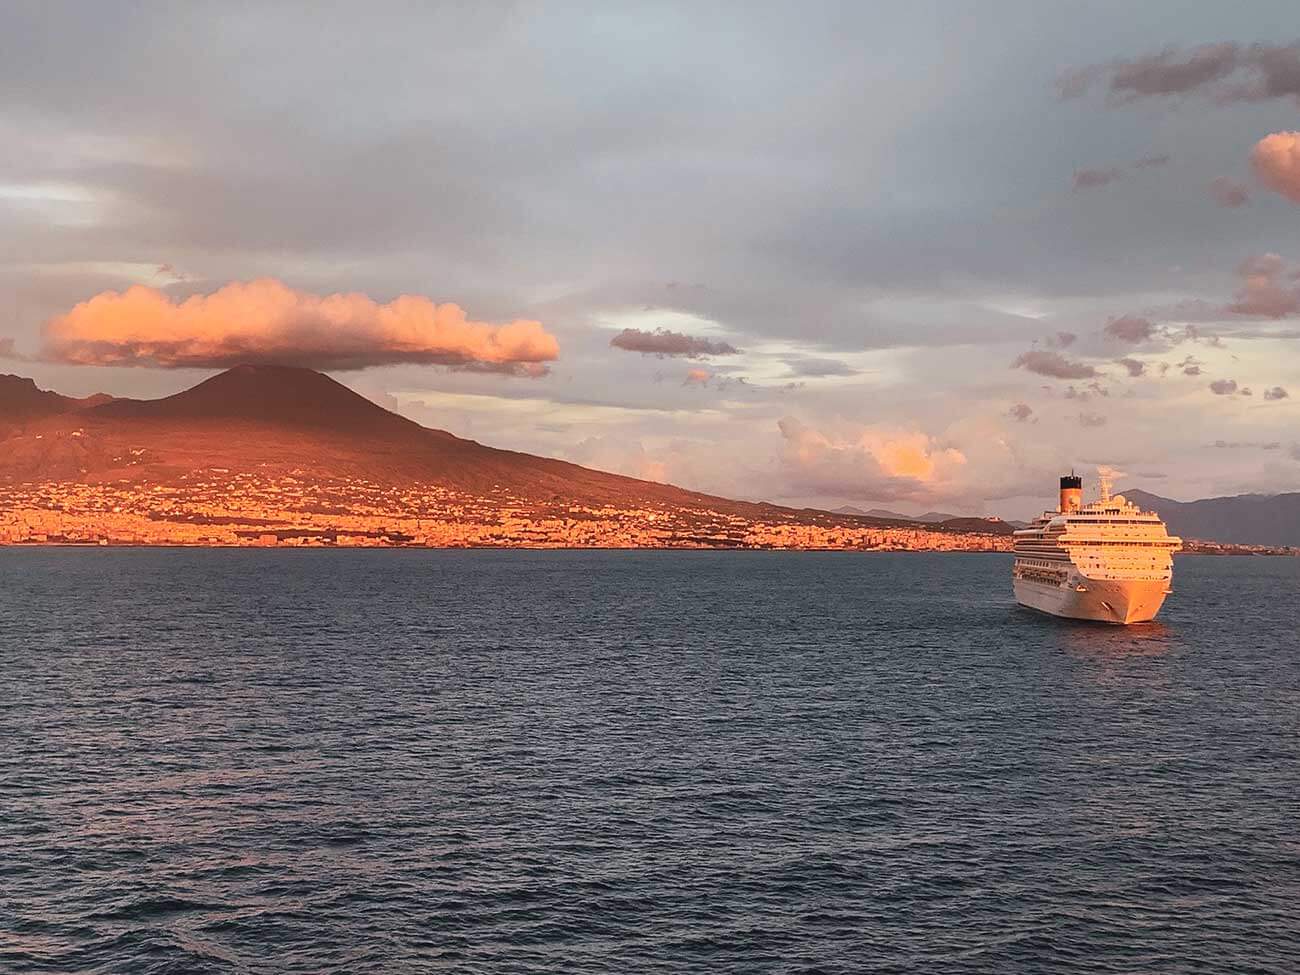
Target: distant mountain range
{"points": [[929, 516], [1246, 519], [934, 518]]}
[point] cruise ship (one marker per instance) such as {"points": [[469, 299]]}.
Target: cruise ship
{"points": [[1106, 561]]}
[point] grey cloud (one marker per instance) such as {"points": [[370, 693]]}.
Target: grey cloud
{"points": [[1224, 71], [1223, 387], [1094, 177], [1091, 420], [1135, 367], [1087, 179], [1277, 392], [1053, 364], [1245, 445], [1020, 412], [814, 367], [662, 342], [1229, 193], [1191, 369], [1130, 328], [1061, 340]]}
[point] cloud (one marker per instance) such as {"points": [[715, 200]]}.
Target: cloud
{"points": [[1224, 71], [1276, 160], [1130, 328], [1194, 333], [1245, 444], [7, 350], [1053, 364], [697, 377], [1277, 392], [1020, 412], [873, 463], [1223, 387], [1091, 420], [1147, 162], [1228, 193], [815, 367], [1295, 451], [265, 321], [1191, 369], [1135, 367], [1061, 340], [1262, 293], [662, 342], [1088, 179]]}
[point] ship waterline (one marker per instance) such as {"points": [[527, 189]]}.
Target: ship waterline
{"points": [[1106, 561]]}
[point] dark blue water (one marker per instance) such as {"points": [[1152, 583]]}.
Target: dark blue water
{"points": [[246, 761]]}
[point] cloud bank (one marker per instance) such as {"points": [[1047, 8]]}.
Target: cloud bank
{"points": [[873, 463], [267, 322], [662, 342]]}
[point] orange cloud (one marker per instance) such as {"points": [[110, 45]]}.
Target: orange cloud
{"points": [[265, 321], [1263, 291], [873, 462], [1276, 159]]}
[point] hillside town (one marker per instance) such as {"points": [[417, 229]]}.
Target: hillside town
{"points": [[217, 507]]}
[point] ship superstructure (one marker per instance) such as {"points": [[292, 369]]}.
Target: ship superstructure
{"points": [[1106, 560]]}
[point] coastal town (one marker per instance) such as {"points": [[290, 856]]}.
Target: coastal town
{"points": [[218, 507]]}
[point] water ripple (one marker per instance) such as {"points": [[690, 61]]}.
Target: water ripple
{"points": [[238, 761]]}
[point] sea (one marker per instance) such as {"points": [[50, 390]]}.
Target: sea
{"points": [[637, 762]]}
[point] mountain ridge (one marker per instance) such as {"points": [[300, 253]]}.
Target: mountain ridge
{"points": [[292, 418], [1243, 519]]}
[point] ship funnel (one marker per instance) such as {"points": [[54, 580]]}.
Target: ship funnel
{"points": [[1071, 493]]}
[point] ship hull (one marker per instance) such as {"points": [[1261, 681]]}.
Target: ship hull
{"points": [[1101, 601]]}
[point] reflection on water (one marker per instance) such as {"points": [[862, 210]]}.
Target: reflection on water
{"points": [[1101, 640]]}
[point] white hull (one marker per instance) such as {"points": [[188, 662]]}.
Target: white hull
{"points": [[1102, 601]]}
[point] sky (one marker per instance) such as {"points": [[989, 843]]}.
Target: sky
{"points": [[921, 256]]}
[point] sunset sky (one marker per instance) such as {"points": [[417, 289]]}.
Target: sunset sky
{"points": [[916, 256]]}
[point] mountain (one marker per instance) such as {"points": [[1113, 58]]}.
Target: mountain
{"points": [[1246, 519], [283, 455], [993, 526], [929, 517], [21, 399], [279, 420], [283, 395]]}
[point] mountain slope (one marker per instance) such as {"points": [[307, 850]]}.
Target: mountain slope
{"points": [[21, 399], [1247, 519], [276, 421]]}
